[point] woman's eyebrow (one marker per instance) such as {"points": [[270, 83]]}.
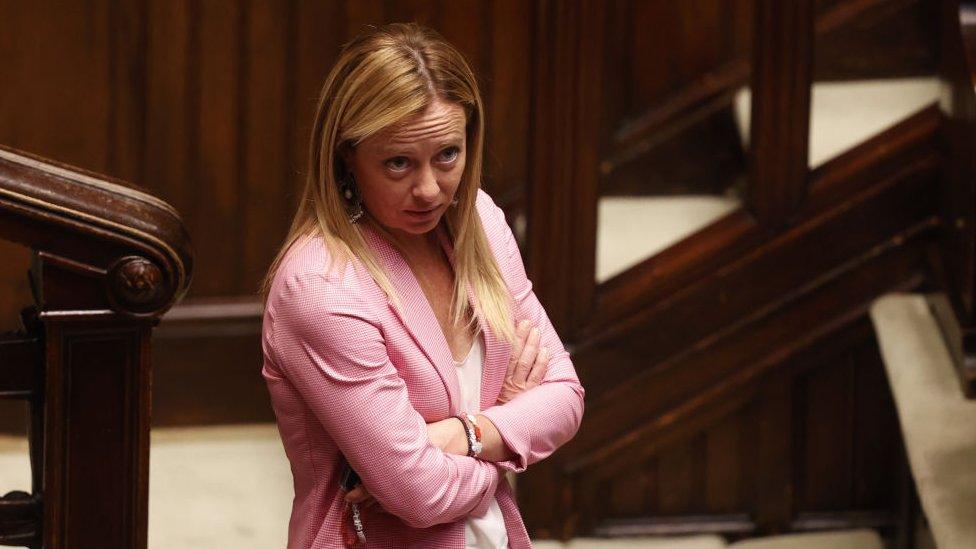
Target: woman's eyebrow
{"points": [[450, 141], [396, 148]]}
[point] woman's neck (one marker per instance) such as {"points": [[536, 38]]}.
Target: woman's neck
{"points": [[410, 245]]}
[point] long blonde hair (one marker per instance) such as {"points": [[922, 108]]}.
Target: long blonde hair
{"points": [[381, 78]]}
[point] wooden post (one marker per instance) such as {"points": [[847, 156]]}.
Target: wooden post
{"points": [[782, 74], [109, 260]]}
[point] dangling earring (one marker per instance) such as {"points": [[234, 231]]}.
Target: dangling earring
{"points": [[354, 201], [454, 202]]}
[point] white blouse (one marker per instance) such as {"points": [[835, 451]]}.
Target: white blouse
{"points": [[488, 531]]}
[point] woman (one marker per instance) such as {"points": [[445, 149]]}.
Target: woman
{"points": [[401, 336]]}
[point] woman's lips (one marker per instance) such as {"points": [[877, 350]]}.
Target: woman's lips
{"points": [[422, 215]]}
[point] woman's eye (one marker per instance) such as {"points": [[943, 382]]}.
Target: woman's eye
{"points": [[397, 163], [450, 154]]}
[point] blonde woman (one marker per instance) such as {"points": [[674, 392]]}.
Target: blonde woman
{"points": [[402, 340]]}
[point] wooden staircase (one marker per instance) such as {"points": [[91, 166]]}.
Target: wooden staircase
{"points": [[734, 384]]}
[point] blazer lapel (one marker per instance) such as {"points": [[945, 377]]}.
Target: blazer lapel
{"points": [[417, 315], [496, 351]]}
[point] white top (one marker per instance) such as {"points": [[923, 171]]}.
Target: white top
{"points": [[488, 531]]}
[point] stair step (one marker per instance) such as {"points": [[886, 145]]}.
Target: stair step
{"points": [[855, 539], [938, 424]]}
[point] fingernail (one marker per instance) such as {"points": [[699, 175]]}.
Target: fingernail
{"points": [[535, 331]]}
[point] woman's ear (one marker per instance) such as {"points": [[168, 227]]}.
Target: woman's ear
{"points": [[344, 158]]}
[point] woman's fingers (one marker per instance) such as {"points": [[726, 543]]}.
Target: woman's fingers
{"points": [[538, 369], [359, 494], [527, 360], [528, 363], [521, 332]]}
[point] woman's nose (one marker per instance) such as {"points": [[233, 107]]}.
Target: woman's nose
{"points": [[426, 187]]}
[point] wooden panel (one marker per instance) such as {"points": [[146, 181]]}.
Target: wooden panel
{"points": [[876, 432], [765, 463], [105, 399], [170, 77], [679, 473], [266, 137], [725, 464], [775, 452], [866, 39], [827, 436], [212, 379], [63, 111], [214, 214], [699, 35]]}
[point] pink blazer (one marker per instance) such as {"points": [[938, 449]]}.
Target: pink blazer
{"points": [[350, 376]]}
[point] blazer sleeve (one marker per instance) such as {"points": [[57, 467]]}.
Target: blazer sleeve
{"points": [[330, 347], [537, 421]]}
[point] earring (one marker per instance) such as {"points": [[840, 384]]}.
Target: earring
{"points": [[354, 201], [454, 202]]}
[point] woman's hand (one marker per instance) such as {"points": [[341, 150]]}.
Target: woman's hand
{"points": [[360, 495], [528, 364]]}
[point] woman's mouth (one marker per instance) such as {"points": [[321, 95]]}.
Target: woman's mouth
{"points": [[422, 215]]}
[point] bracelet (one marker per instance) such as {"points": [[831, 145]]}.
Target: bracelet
{"points": [[468, 431], [473, 433], [477, 434]]}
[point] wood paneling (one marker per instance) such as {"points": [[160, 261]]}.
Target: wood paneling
{"points": [[209, 104], [667, 125], [867, 39]]}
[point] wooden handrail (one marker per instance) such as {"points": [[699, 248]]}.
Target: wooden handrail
{"points": [[95, 226], [108, 260]]}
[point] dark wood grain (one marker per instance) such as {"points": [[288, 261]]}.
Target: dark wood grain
{"points": [[562, 194]]}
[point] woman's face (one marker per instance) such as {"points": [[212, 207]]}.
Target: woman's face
{"points": [[408, 173]]}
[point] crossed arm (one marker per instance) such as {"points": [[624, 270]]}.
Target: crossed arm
{"points": [[526, 368], [556, 404]]}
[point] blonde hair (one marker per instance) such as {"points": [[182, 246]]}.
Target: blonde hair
{"points": [[381, 78]]}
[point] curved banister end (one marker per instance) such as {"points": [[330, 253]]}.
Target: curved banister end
{"points": [[102, 243]]}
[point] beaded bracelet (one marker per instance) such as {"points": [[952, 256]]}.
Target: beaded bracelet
{"points": [[477, 434], [468, 431], [473, 433]]}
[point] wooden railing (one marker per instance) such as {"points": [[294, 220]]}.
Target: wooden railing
{"points": [[108, 261], [958, 209], [733, 383]]}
